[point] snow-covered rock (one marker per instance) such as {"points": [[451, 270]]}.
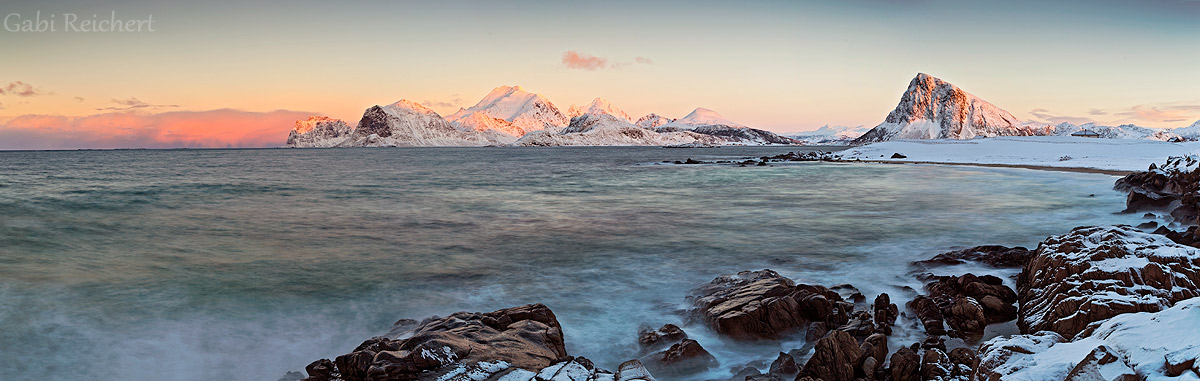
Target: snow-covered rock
{"points": [[1124, 131], [1097, 272], [318, 131], [1146, 345], [408, 124], [601, 106], [1191, 132], [709, 122], [653, 120], [935, 109], [608, 130], [520, 111], [827, 134]]}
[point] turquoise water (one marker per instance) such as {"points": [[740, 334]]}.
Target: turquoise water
{"points": [[245, 264]]}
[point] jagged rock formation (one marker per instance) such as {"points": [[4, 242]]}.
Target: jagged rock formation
{"points": [[318, 131], [764, 305], [935, 109], [1094, 273], [510, 110], [1173, 188], [408, 124]]}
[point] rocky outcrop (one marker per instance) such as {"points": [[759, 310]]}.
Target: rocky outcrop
{"points": [[318, 131], [935, 109], [835, 358], [650, 339], [764, 305], [966, 303], [1135, 346], [991, 255], [684, 358], [1173, 188], [1094, 273], [526, 337]]}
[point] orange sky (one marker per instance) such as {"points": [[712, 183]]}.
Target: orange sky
{"points": [[777, 65]]}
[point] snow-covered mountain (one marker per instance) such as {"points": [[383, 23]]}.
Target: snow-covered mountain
{"points": [[1124, 131], [400, 124], [318, 131], [709, 122], [935, 109], [828, 134], [510, 110], [598, 106], [1191, 132], [604, 129], [653, 120]]}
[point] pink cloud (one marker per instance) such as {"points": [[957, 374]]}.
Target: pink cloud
{"points": [[193, 129], [576, 60], [20, 89]]}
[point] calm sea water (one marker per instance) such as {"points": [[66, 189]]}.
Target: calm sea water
{"points": [[245, 264]]}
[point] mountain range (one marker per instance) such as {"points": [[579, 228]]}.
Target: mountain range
{"points": [[929, 108], [509, 115]]}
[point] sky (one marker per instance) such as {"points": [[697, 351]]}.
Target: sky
{"points": [[239, 73]]}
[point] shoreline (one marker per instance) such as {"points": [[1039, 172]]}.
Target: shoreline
{"points": [[1112, 172]]}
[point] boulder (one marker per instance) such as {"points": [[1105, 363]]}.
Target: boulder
{"points": [[935, 365], [527, 337], [1171, 187], [834, 358], [784, 366], [905, 365], [1094, 273], [764, 305], [683, 358], [967, 303], [886, 313], [992, 255], [633, 370], [652, 340], [929, 314]]}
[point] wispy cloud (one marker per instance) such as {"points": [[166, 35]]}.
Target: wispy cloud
{"points": [[131, 103], [196, 129], [576, 60], [79, 99], [20, 89], [1046, 116], [1162, 112], [583, 61]]}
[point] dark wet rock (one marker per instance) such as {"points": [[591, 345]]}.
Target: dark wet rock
{"points": [[764, 305], [860, 325], [764, 377], [929, 314], [898, 156], [905, 365], [872, 354], [965, 361], [292, 376], [834, 358], [652, 340], [683, 358], [1094, 273], [527, 337], [784, 366], [746, 373], [1172, 187], [1148, 225], [992, 255], [320, 370], [933, 342], [886, 313], [935, 365], [967, 303]]}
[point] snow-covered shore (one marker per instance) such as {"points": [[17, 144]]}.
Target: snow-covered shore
{"points": [[1044, 151]]}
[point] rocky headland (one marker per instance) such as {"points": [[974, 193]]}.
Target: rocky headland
{"points": [[1096, 303]]}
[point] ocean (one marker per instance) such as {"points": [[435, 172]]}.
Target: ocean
{"points": [[246, 264]]}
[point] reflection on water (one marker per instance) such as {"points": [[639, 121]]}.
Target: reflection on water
{"points": [[244, 264]]}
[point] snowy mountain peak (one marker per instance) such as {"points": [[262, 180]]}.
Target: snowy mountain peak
{"points": [[405, 104], [935, 109], [603, 106], [523, 111], [317, 131], [304, 126], [653, 120], [705, 117]]}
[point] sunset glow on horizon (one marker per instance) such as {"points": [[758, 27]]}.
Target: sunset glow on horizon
{"points": [[228, 74]]}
